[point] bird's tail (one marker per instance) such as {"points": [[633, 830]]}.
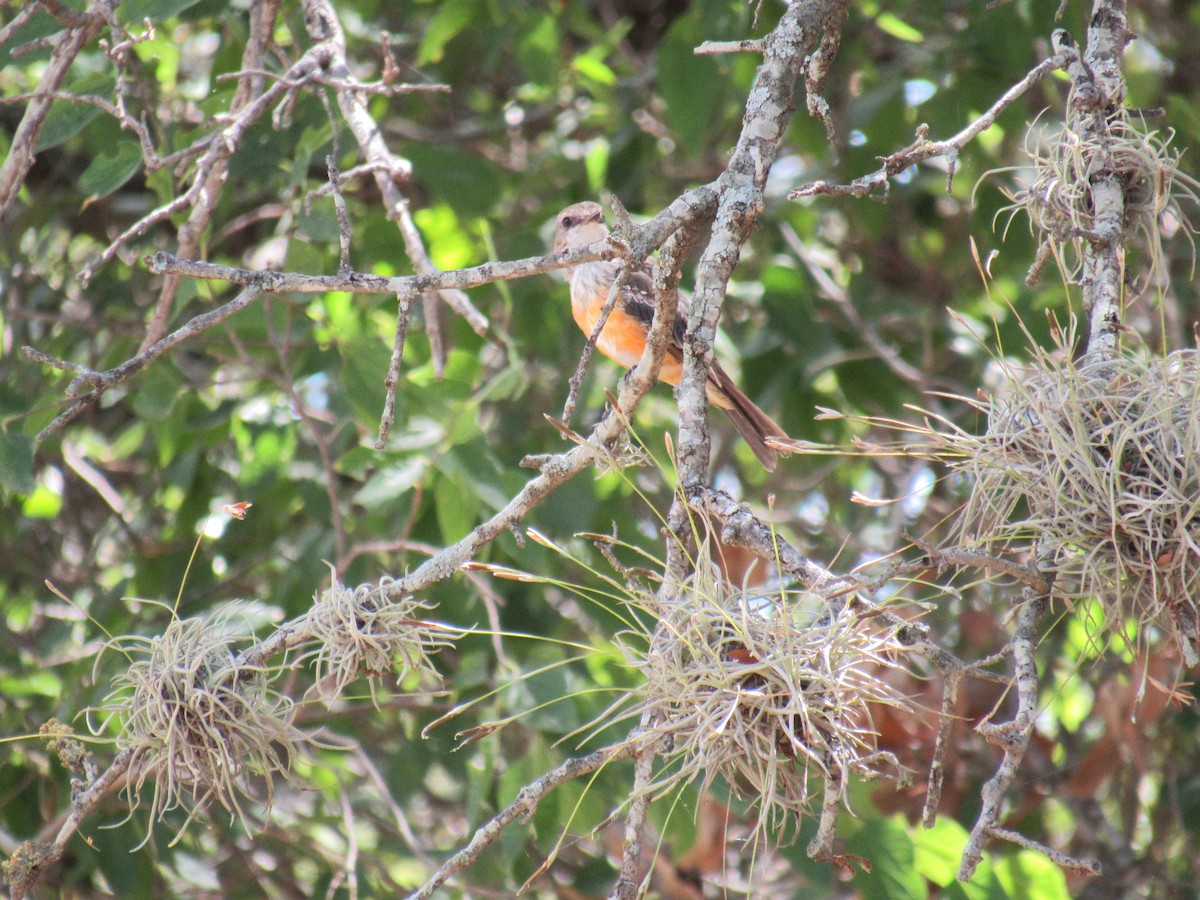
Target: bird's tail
{"points": [[752, 423]]}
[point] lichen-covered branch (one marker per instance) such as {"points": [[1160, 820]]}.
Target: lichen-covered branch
{"points": [[1095, 105], [1013, 738], [628, 886], [769, 107]]}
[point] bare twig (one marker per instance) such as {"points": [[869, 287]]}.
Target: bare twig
{"points": [[83, 803], [18, 22], [1011, 737], [393, 374], [523, 807], [818, 65], [100, 382], [1080, 866], [741, 528], [82, 29], [589, 348], [937, 766], [258, 282], [403, 286], [249, 103], [628, 885], [389, 171], [822, 845], [746, 46], [923, 149], [352, 85], [740, 200], [343, 220]]}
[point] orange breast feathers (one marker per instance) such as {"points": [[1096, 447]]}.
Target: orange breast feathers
{"points": [[624, 336]]}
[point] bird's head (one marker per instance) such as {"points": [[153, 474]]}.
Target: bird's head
{"points": [[579, 225]]}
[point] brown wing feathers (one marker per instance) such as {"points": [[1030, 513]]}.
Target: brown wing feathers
{"points": [[752, 423]]}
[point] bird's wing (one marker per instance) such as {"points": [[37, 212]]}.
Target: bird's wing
{"points": [[637, 299]]}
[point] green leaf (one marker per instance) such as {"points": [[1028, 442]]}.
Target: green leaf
{"points": [[885, 843], [156, 397], [938, 851], [538, 49], [127, 871], [42, 503], [157, 10], [69, 117], [509, 383], [596, 164], [455, 506], [35, 682], [318, 224], [363, 364], [391, 482], [984, 885], [16, 462], [110, 170], [692, 86], [451, 19], [464, 182], [1030, 875], [595, 69], [897, 28]]}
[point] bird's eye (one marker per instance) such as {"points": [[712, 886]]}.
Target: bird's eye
{"points": [[567, 222]]}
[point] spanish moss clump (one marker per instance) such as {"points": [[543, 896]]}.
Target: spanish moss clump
{"points": [[197, 720], [1098, 465], [362, 631], [1058, 200], [764, 694]]}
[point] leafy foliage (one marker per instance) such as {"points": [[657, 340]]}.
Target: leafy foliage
{"points": [[837, 303]]}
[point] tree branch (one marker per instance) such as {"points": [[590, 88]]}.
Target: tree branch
{"points": [[923, 149], [524, 806], [24, 141], [1096, 103]]}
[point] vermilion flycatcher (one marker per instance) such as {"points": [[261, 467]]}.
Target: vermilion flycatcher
{"points": [[624, 335]]}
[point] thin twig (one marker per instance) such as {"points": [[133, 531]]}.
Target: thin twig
{"points": [[524, 806], [628, 884], [102, 381], [589, 347], [250, 102], [340, 84], [1011, 737], [82, 28], [343, 220], [1076, 864], [746, 46], [392, 380], [923, 149], [403, 286]]}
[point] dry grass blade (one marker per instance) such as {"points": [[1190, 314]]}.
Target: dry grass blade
{"points": [[363, 631], [1056, 194], [761, 692], [198, 723], [1101, 462]]}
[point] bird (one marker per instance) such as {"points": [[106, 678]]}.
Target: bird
{"points": [[623, 338]]}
